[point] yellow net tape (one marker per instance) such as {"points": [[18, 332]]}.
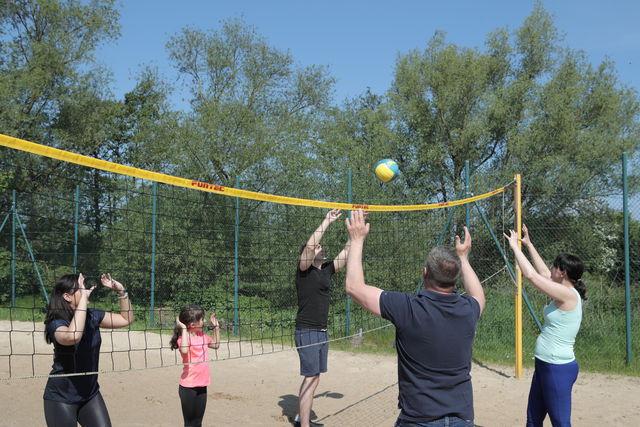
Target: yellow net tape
{"points": [[79, 159]]}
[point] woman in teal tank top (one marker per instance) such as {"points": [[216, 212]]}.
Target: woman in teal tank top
{"points": [[556, 368]]}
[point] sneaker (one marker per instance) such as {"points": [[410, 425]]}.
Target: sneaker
{"points": [[311, 424]]}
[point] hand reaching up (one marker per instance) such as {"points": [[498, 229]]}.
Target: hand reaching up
{"points": [[463, 248], [356, 226]]}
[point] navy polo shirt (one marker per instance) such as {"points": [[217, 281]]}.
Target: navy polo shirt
{"points": [[434, 336], [71, 359]]}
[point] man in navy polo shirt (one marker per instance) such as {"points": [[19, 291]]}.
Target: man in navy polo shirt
{"points": [[313, 281], [434, 330]]}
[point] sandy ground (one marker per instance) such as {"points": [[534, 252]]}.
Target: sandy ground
{"points": [[257, 386]]}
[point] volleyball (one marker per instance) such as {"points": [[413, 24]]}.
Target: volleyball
{"points": [[387, 170]]}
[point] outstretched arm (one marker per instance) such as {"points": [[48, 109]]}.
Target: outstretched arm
{"points": [[341, 260], [538, 262], [367, 296], [125, 317], [72, 334], [308, 253], [215, 344], [470, 280], [559, 293]]}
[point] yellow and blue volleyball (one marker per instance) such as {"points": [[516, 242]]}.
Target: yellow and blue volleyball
{"points": [[387, 170]]}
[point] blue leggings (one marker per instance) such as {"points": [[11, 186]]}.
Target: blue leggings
{"points": [[550, 393]]}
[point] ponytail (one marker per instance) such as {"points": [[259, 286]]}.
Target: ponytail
{"points": [[581, 288], [573, 266]]}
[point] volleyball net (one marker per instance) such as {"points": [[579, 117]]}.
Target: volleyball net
{"points": [[174, 242]]}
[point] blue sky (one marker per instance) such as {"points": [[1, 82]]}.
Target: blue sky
{"points": [[359, 40]]}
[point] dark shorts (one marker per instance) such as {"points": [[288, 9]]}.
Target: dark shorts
{"points": [[313, 348]]}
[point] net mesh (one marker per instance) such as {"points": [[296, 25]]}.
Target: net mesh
{"points": [[171, 246]]}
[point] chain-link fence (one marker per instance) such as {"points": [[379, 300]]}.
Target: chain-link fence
{"points": [[172, 247]]}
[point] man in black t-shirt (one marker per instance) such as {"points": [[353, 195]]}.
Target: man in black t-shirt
{"points": [[434, 330], [313, 280]]}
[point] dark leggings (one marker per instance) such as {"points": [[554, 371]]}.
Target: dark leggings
{"points": [[92, 413], [550, 393], [194, 402]]}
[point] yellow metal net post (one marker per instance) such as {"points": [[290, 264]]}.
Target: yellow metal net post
{"points": [[517, 201]]}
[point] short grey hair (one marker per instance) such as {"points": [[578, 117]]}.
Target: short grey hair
{"points": [[443, 267]]}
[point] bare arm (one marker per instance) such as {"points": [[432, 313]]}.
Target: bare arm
{"points": [[72, 334], [184, 336], [556, 291], [538, 263], [341, 260], [472, 285], [125, 317], [308, 253], [215, 344], [367, 296]]}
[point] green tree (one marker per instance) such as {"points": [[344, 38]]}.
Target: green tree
{"points": [[526, 104], [45, 45], [358, 135], [254, 113], [46, 49]]}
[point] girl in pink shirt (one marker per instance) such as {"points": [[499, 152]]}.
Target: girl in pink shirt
{"points": [[194, 347]]}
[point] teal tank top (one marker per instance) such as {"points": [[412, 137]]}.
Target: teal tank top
{"points": [[555, 342]]}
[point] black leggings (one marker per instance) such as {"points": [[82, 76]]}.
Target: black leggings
{"points": [[194, 402], [92, 413]]}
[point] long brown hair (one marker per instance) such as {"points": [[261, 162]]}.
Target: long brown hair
{"points": [[573, 266], [58, 307], [188, 314]]}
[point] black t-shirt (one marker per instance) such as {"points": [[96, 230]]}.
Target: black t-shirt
{"points": [[312, 287], [70, 359], [434, 335]]}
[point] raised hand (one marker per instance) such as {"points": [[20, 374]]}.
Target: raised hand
{"points": [[512, 238], [214, 321], [356, 225], [110, 283], [463, 248], [525, 235], [333, 214], [85, 291], [179, 324]]}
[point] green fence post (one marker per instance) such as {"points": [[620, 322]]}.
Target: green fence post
{"points": [[507, 264], [154, 214], [236, 273], [33, 258], [6, 218], [14, 216], [347, 319], [627, 273], [467, 207], [76, 215]]}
